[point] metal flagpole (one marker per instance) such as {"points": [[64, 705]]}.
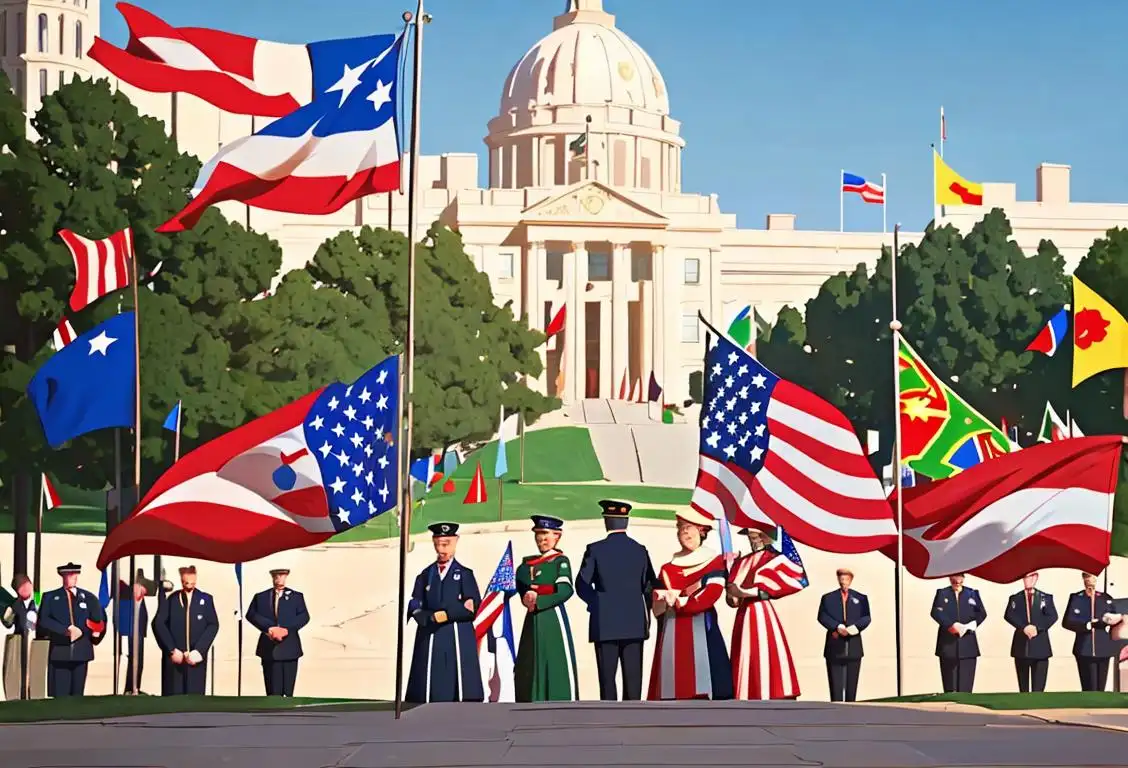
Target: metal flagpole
{"points": [[884, 203], [239, 633], [841, 201], [899, 581], [943, 132], [37, 569], [115, 604], [408, 360], [136, 451], [587, 148], [521, 426], [935, 200]]}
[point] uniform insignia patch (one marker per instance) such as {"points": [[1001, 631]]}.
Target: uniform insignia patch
{"points": [[971, 601], [457, 576], [854, 600], [200, 616], [945, 601], [201, 601], [1012, 605], [1077, 610], [82, 606]]}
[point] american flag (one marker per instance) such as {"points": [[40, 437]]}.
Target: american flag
{"points": [[501, 587], [64, 334], [772, 453], [100, 266], [790, 565], [292, 478]]}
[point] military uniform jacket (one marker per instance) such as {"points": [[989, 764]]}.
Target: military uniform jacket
{"points": [[851, 610], [947, 610], [1083, 617], [291, 614], [81, 610], [444, 661], [617, 581], [186, 622], [1041, 613]]}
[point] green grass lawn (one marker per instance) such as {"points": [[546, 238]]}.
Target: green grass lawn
{"points": [[518, 501], [1001, 701], [65, 519], [553, 455], [97, 707]]}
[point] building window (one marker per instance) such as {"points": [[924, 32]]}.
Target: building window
{"points": [[78, 40], [644, 174], [19, 84], [640, 266], [690, 328], [599, 265], [42, 84], [3, 33], [692, 271], [61, 22], [43, 36], [554, 266], [505, 266], [21, 34], [62, 78]]}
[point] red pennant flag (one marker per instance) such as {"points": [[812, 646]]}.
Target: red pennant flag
{"points": [[448, 486], [476, 493], [623, 387]]}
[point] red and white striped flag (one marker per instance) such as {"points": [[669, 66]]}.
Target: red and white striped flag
{"points": [[100, 266], [774, 454], [1048, 506], [63, 334], [50, 495]]}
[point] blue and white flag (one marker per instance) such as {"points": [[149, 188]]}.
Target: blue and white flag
{"points": [[172, 421], [501, 462]]}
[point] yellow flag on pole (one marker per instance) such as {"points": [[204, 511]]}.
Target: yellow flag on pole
{"points": [[1100, 334], [951, 188]]}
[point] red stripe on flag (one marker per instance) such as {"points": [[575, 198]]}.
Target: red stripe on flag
{"points": [[228, 51], [829, 456], [101, 261], [801, 400], [966, 195]]}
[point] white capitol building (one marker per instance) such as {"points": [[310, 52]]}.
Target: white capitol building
{"points": [[612, 236]]}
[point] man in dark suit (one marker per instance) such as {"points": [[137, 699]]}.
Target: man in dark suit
{"points": [[131, 603], [279, 614], [1031, 612], [617, 580], [185, 628], [20, 614], [72, 620], [1091, 615], [844, 614], [959, 612]]}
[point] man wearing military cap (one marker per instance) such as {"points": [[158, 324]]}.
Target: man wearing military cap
{"points": [[279, 613], [444, 662], [185, 628], [617, 580], [73, 622], [546, 656]]}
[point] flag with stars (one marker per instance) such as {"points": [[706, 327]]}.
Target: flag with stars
{"points": [[292, 478], [67, 405], [341, 146], [773, 454]]}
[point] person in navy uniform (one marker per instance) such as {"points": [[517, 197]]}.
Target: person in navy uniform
{"points": [[617, 581], [960, 612], [185, 628], [128, 600], [73, 622], [1091, 615], [844, 614], [279, 614], [1031, 612], [444, 662]]}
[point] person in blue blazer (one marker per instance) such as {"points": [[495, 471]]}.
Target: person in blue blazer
{"points": [[185, 628], [617, 581], [444, 662], [1031, 612], [279, 614], [959, 612], [73, 622], [1091, 615], [844, 614]]}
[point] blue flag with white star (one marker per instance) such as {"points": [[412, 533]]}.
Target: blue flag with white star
{"points": [[88, 384]]}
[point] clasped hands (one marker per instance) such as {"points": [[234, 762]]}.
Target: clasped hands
{"points": [[1030, 631], [441, 617], [192, 658], [277, 634], [666, 600], [1111, 619], [844, 631], [74, 633], [961, 629]]}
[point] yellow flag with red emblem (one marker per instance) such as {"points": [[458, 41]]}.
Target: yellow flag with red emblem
{"points": [[1100, 334]]}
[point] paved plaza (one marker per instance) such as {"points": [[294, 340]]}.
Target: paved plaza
{"points": [[581, 734]]}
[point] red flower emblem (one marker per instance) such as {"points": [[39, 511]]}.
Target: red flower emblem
{"points": [[1089, 328]]}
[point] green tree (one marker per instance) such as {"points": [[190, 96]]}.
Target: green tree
{"points": [[97, 167], [968, 303], [348, 310]]}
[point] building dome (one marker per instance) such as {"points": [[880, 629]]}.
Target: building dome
{"points": [[585, 60]]}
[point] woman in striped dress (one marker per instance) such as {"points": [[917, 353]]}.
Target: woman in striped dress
{"points": [[690, 660]]}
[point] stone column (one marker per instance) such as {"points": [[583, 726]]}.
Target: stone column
{"points": [[620, 282], [669, 308], [576, 379], [534, 303], [646, 326], [716, 305]]}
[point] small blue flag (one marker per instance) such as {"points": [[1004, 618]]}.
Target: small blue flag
{"points": [[501, 464], [104, 588], [172, 421], [239, 574], [450, 462], [88, 384], [787, 549]]}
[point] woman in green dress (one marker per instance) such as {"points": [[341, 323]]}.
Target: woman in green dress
{"points": [[546, 657]]}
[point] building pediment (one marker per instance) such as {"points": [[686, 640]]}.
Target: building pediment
{"points": [[590, 203]]}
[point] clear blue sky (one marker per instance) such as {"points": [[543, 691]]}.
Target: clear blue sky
{"points": [[775, 97]]}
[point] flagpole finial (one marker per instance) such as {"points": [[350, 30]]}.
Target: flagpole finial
{"points": [[895, 325]]}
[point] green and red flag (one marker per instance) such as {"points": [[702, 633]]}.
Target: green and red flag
{"points": [[941, 435]]}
